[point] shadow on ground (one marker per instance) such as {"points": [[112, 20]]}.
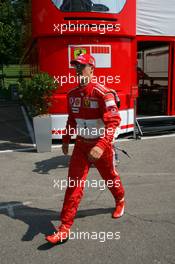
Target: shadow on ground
{"points": [[44, 166], [40, 220]]}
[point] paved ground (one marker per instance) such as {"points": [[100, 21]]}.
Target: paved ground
{"points": [[30, 207], [13, 130]]}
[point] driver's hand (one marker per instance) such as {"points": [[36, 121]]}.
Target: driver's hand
{"points": [[65, 148], [95, 154]]}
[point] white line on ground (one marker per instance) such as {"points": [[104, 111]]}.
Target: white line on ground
{"points": [[157, 137], [126, 139], [71, 145], [148, 173], [10, 207], [14, 205], [145, 138], [34, 198], [16, 150]]}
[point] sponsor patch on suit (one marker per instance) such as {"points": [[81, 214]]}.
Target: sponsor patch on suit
{"points": [[94, 104], [75, 110], [110, 103], [87, 103], [75, 101]]}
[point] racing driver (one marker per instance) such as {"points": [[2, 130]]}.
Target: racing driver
{"points": [[94, 116]]}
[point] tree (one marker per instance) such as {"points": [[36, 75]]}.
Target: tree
{"points": [[11, 30], [7, 32]]}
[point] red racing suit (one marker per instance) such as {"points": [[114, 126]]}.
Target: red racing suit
{"points": [[93, 114]]}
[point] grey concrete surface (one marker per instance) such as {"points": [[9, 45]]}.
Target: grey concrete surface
{"points": [[13, 130], [30, 206]]}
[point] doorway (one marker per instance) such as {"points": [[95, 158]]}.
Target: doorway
{"points": [[153, 75]]}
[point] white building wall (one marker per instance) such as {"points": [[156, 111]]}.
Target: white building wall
{"points": [[156, 17]]}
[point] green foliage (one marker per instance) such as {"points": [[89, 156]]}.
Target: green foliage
{"points": [[36, 93], [11, 33]]}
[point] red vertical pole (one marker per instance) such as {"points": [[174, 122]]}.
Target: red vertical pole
{"points": [[173, 81], [170, 64]]}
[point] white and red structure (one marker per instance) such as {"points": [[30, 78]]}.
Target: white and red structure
{"points": [[105, 29]]}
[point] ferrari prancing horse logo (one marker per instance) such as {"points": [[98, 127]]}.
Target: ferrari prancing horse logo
{"points": [[86, 102]]}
